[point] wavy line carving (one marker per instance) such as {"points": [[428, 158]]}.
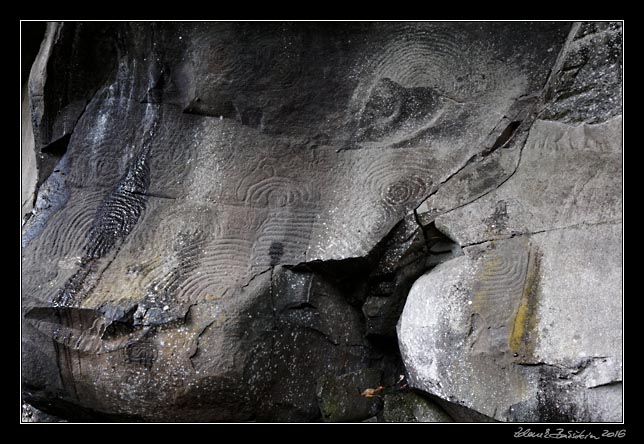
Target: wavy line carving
{"points": [[263, 187], [499, 283]]}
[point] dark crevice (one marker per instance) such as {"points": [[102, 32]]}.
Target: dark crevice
{"points": [[522, 129], [540, 364], [606, 384], [503, 140], [422, 227], [58, 147], [575, 67], [49, 157], [122, 326], [256, 275], [506, 135], [31, 36], [531, 233], [437, 241], [379, 282], [301, 306]]}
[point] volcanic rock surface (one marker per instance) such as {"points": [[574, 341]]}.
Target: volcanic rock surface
{"points": [[225, 221]]}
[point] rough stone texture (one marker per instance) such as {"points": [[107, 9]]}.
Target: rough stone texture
{"points": [[341, 398], [527, 324], [228, 213], [588, 88], [31, 414], [411, 407], [29, 174], [505, 332], [568, 176]]}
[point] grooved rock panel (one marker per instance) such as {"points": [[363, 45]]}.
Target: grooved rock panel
{"points": [[210, 167]]}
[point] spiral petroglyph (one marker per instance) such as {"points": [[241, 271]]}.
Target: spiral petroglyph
{"points": [[162, 279], [77, 287], [142, 352], [405, 191], [277, 192], [244, 55], [433, 55], [65, 237], [162, 216], [264, 187], [500, 282], [222, 264], [394, 114], [416, 57], [120, 211], [425, 83], [290, 229], [397, 181]]}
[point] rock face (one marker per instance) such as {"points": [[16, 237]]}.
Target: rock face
{"points": [[27, 160], [527, 324], [228, 218], [31, 414], [344, 398], [411, 407]]}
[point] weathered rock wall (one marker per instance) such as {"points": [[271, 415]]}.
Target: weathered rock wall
{"points": [[527, 324], [229, 218]]}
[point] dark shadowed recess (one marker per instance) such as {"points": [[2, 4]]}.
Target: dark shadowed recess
{"points": [[31, 35]]}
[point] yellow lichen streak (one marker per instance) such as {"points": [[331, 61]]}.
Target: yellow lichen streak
{"points": [[522, 340]]}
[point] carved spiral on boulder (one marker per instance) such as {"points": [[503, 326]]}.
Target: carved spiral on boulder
{"points": [[404, 190], [398, 180]]}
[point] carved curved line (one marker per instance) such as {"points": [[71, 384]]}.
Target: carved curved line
{"points": [[276, 191], [63, 235]]}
